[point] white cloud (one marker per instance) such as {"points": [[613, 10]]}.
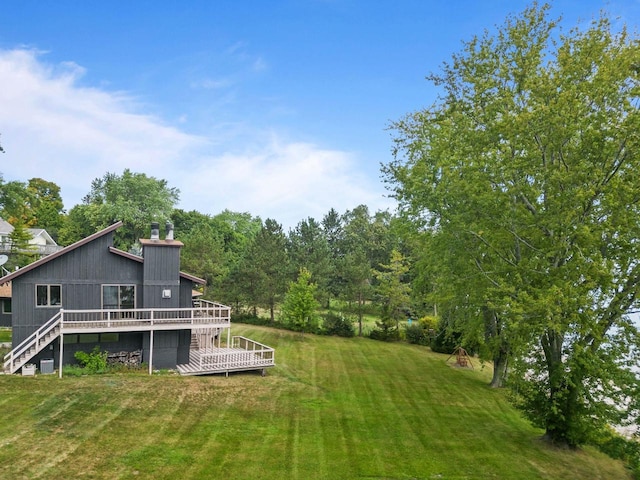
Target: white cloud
{"points": [[212, 84], [284, 181], [54, 128]]}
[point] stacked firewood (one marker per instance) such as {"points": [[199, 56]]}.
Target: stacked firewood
{"points": [[129, 359]]}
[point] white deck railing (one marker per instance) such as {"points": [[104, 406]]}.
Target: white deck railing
{"points": [[32, 344], [241, 354], [207, 314]]}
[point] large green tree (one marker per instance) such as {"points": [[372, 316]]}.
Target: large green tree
{"points": [[134, 198], [15, 203], [308, 248], [394, 294], [528, 164], [46, 205], [261, 276]]}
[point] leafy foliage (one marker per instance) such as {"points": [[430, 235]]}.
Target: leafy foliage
{"points": [[93, 362], [300, 304], [337, 324], [525, 173], [394, 295], [133, 198]]}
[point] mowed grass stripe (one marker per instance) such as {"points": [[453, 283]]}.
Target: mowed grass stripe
{"points": [[332, 408]]}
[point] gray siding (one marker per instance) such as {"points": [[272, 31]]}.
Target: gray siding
{"points": [[161, 273], [81, 272], [169, 348], [5, 318]]}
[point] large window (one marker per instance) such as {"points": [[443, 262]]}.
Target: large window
{"points": [[48, 295], [118, 297]]}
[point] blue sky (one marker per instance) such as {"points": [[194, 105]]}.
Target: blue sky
{"points": [[279, 108]]}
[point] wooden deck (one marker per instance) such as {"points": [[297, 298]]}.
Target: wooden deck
{"points": [[206, 321], [242, 355]]}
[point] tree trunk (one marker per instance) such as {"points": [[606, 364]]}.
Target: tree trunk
{"points": [[500, 363], [495, 335], [359, 314], [561, 426]]}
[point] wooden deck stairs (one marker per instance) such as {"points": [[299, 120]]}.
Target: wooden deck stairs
{"points": [[32, 345]]}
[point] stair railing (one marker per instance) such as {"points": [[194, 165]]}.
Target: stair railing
{"points": [[29, 342]]}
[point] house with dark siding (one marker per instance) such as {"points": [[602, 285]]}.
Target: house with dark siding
{"points": [[91, 294]]}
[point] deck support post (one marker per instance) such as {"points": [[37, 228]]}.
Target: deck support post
{"points": [[150, 352], [61, 340]]}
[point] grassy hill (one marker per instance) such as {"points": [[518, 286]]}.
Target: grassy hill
{"points": [[333, 408]]}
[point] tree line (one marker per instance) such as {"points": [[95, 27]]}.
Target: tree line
{"points": [[248, 263]]}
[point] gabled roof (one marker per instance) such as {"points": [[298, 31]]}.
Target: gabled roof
{"points": [[59, 253], [41, 232], [84, 241]]}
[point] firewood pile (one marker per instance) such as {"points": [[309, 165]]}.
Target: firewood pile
{"points": [[129, 359]]}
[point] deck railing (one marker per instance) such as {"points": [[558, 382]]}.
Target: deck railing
{"points": [[33, 343], [242, 354], [146, 318]]}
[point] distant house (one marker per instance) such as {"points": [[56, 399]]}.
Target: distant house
{"points": [[40, 243], [91, 294]]}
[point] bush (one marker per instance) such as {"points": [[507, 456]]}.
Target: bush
{"points": [[415, 333], [385, 333], [618, 447], [445, 342], [429, 322], [253, 320], [338, 324], [94, 362]]}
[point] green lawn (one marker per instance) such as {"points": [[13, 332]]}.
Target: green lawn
{"points": [[5, 335], [333, 408]]}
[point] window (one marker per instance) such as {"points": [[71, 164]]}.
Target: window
{"points": [[118, 297], [48, 295], [6, 305], [70, 339], [109, 337], [89, 338]]}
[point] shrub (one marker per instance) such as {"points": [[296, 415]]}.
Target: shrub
{"points": [[94, 362], [338, 324], [252, 320], [416, 334], [385, 332], [618, 447], [445, 342], [429, 322]]}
